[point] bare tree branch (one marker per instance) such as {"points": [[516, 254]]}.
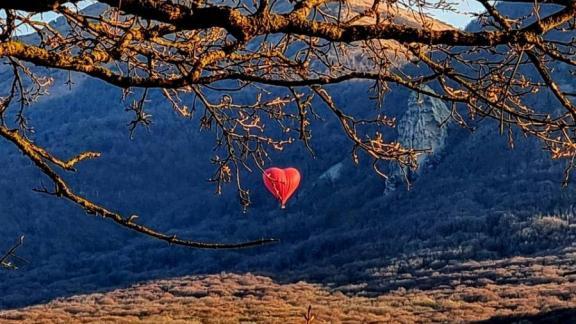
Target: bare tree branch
{"points": [[285, 56], [39, 157], [6, 259]]}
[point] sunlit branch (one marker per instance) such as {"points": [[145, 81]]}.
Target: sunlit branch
{"points": [[62, 189], [260, 76]]}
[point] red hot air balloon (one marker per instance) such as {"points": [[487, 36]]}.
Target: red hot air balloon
{"points": [[282, 183]]}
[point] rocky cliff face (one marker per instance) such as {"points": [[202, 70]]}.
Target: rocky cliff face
{"points": [[424, 126]]}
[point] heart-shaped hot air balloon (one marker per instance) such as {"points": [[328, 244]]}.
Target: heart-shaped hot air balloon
{"points": [[282, 183]]}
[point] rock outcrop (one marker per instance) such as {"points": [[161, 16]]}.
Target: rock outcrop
{"points": [[424, 126]]}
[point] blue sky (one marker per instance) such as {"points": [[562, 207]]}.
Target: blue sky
{"points": [[463, 17]]}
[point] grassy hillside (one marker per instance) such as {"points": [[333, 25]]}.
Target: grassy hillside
{"points": [[539, 289]]}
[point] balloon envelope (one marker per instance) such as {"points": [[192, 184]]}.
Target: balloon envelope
{"points": [[282, 183]]}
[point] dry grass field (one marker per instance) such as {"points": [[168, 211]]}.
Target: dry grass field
{"points": [[536, 288]]}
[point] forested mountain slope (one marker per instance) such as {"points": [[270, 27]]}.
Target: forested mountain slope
{"points": [[474, 198]]}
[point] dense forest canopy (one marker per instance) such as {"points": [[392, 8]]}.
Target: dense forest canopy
{"points": [[257, 73]]}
